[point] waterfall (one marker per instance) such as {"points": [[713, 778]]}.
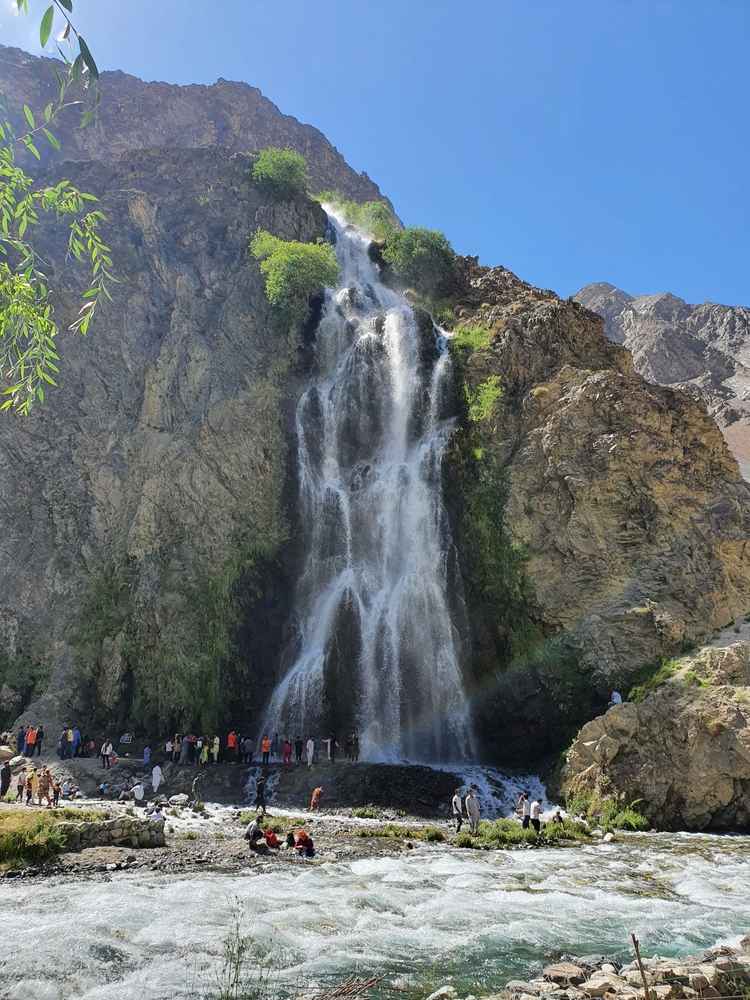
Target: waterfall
{"points": [[377, 650]]}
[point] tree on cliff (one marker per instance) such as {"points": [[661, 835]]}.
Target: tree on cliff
{"points": [[28, 330]]}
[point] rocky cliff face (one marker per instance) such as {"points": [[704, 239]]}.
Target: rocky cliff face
{"points": [[134, 114], [151, 483], [704, 349], [626, 523], [684, 751]]}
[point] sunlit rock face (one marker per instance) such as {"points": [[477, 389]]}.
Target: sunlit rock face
{"points": [[683, 752], [704, 349]]}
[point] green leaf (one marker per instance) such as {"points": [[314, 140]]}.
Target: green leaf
{"points": [[46, 26], [77, 68], [67, 4], [29, 115], [88, 58], [32, 148], [51, 139]]}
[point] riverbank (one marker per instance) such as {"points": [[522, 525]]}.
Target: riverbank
{"points": [[721, 971], [210, 837]]}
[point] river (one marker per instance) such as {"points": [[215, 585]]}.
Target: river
{"points": [[423, 918]]}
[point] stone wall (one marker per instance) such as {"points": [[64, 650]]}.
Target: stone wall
{"points": [[123, 831]]}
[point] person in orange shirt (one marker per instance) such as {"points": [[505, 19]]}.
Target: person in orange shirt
{"points": [[232, 745], [315, 799], [265, 746]]}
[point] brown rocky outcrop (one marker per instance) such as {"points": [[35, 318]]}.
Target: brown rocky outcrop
{"points": [[704, 349], [630, 512], [683, 752], [134, 114]]}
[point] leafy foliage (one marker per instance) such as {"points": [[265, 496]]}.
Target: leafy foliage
{"points": [[480, 401], [280, 172], [607, 813], [421, 257], [293, 270], [28, 331], [374, 217], [471, 338], [34, 837], [504, 833], [653, 676]]}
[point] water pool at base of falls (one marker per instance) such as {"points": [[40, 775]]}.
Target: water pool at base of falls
{"points": [[422, 918]]}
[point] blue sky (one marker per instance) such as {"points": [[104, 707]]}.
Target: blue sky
{"points": [[572, 141]]}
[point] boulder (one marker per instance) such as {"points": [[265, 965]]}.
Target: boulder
{"points": [[181, 799], [683, 751], [564, 972]]}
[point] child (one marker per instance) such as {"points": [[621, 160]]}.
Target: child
{"points": [[20, 787], [56, 789]]}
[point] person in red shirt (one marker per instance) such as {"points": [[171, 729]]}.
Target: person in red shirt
{"points": [[232, 745], [287, 751]]}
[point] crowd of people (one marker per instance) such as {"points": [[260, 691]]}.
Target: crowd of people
{"points": [[201, 751], [262, 838]]}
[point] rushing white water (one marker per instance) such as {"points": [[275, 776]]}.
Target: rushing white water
{"points": [[377, 647], [422, 918]]}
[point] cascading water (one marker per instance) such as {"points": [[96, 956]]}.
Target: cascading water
{"points": [[377, 649]]}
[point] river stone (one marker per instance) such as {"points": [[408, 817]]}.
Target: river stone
{"points": [[564, 972], [444, 993], [181, 800], [601, 983]]}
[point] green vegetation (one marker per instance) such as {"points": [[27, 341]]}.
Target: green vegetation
{"points": [[282, 173], [28, 837], [607, 813], [366, 812], [293, 271], [374, 217], [175, 671], [422, 258], [471, 338], [397, 831], [481, 400], [22, 677], [498, 576], [651, 677], [279, 824], [503, 833]]}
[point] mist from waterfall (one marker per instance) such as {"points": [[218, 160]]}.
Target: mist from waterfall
{"points": [[377, 650]]}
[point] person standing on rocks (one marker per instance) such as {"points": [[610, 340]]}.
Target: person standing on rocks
{"points": [[275, 745], [310, 751], [21, 785], [138, 793], [176, 748], [5, 775], [232, 745], [20, 740], [524, 809], [355, 748], [39, 740], [287, 751], [299, 748], [215, 747], [265, 749], [457, 810], [315, 799], [534, 815], [472, 810], [107, 751], [168, 749], [260, 794], [157, 775]]}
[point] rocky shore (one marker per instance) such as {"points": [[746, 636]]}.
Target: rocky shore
{"points": [[722, 971]]}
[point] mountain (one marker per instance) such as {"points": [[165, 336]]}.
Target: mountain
{"points": [[151, 533], [704, 349], [134, 114]]}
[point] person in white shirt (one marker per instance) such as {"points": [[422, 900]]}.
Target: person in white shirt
{"points": [[615, 698], [168, 749], [472, 810], [310, 748], [138, 793], [535, 810], [524, 809], [457, 811], [156, 778]]}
